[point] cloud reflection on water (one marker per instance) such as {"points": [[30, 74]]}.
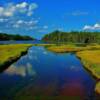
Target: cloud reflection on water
{"points": [[21, 70]]}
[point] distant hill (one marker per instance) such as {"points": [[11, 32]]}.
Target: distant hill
{"points": [[4, 36], [74, 37]]}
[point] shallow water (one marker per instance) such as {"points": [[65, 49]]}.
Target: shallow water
{"points": [[43, 73]]}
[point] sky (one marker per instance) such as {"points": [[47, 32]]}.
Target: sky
{"points": [[39, 17]]}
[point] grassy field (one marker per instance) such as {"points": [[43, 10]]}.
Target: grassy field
{"points": [[71, 48], [64, 48], [10, 53]]}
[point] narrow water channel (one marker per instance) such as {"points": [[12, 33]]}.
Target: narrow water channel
{"points": [[43, 73]]}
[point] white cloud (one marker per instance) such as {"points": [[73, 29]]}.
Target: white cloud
{"points": [[6, 11], [32, 7], [23, 23], [94, 27], [87, 27], [78, 13], [12, 14], [22, 5], [45, 27], [3, 20], [97, 26], [12, 9], [1, 10], [20, 22]]}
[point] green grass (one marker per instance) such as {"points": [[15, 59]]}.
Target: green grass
{"points": [[91, 60], [63, 48], [11, 52], [97, 89], [71, 48]]}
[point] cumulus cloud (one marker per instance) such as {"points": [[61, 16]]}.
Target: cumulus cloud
{"points": [[12, 9], [94, 27], [12, 17], [97, 26], [31, 8], [22, 5], [6, 12], [21, 23]]}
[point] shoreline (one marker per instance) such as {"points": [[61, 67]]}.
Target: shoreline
{"points": [[87, 69], [24, 51], [14, 58], [86, 65], [95, 77]]}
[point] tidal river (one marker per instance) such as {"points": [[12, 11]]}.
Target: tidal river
{"points": [[44, 73]]}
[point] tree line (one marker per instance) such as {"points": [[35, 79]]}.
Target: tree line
{"points": [[74, 37], [4, 36]]}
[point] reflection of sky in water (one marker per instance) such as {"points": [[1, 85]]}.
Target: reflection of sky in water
{"points": [[21, 70], [47, 73]]}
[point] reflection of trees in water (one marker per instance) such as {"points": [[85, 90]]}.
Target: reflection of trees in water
{"points": [[34, 89]]}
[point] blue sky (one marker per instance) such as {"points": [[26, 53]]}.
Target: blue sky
{"points": [[39, 17]]}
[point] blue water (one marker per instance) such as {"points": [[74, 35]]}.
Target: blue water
{"points": [[21, 42], [42, 72]]}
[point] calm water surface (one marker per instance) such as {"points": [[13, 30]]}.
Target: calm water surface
{"points": [[43, 73], [21, 42]]}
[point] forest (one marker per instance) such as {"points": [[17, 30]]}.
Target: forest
{"points": [[74, 37], [4, 36]]}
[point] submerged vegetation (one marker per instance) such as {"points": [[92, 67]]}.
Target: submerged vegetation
{"points": [[10, 53], [4, 36]]}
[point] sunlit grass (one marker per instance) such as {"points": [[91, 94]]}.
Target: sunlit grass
{"points": [[98, 88], [8, 52], [71, 48], [91, 60], [64, 48]]}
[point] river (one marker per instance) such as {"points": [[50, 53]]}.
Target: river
{"points": [[44, 73]]}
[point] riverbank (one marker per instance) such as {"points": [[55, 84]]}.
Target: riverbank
{"points": [[89, 56], [71, 48], [91, 61], [11, 53]]}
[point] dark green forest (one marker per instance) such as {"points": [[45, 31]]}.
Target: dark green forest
{"points": [[4, 36], [74, 37]]}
